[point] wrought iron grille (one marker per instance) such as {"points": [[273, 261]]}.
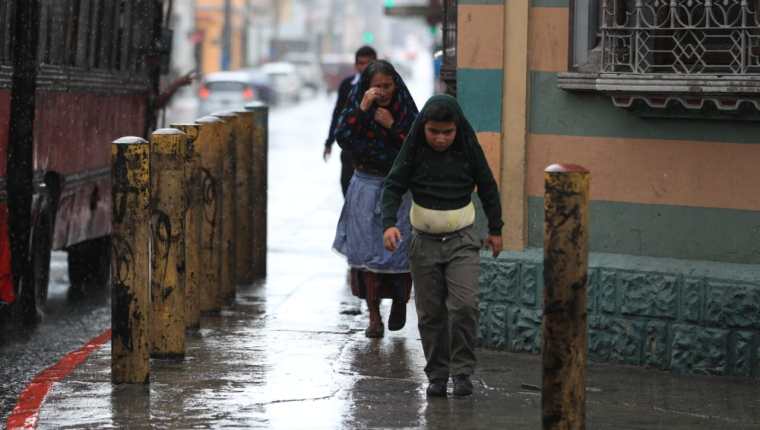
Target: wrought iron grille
{"points": [[449, 67], [716, 37]]}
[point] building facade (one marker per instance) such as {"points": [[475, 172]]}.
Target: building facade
{"points": [[661, 102]]}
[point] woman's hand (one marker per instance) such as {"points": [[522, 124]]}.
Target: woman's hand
{"points": [[383, 117], [391, 238], [369, 97]]}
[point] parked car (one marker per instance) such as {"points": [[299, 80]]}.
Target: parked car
{"points": [[220, 91], [308, 69], [286, 82]]}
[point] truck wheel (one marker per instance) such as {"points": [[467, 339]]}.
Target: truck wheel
{"points": [[33, 285], [89, 266], [43, 241]]}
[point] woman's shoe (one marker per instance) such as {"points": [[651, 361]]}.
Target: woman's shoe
{"points": [[397, 318]]}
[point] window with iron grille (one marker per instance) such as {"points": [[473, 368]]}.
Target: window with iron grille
{"points": [[716, 37], [449, 67], [689, 56]]}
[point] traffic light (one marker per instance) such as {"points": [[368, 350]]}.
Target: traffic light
{"points": [[390, 3]]}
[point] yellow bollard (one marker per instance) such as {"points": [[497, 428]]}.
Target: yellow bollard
{"points": [[229, 121], [130, 265], [167, 179], [209, 146], [244, 197], [260, 185], [193, 218], [563, 396]]}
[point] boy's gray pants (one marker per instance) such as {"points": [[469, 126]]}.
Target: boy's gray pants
{"points": [[445, 271]]}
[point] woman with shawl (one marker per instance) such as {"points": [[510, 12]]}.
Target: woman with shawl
{"points": [[373, 127], [442, 163]]}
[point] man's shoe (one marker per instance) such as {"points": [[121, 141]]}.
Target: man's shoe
{"points": [[462, 385], [437, 388]]}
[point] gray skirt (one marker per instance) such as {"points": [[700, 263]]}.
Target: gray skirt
{"points": [[359, 236]]}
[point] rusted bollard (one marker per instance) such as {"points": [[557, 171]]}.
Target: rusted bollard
{"points": [[130, 263], [244, 273], [229, 120], [209, 145], [563, 397], [260, 185], [167, 180], [193, 218]]}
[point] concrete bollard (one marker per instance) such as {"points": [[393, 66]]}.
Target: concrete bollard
{"points": [[130, 264], [193, 219], [260, 185], [563, 397], [167, 180], [209, 146], [244, 272], [229, 121]]}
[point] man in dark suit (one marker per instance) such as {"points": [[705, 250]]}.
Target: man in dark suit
{"points": [[363, 57]]}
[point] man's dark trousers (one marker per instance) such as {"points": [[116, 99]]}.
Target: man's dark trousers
{"points": [[346, 170]]}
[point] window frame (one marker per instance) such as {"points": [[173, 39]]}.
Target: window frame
{"points": [[661, 94]]}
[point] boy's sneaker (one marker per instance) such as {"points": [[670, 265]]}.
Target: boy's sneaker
{"points": [[462, 385], [437, 388]]}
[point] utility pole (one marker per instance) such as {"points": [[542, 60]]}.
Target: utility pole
{"points": [[21, 149], [227, 35], [246, 34]]}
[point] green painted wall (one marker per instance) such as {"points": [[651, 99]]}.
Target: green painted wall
{"points": [[479, 93], [555, 111], [483, 2], [664, 231]]}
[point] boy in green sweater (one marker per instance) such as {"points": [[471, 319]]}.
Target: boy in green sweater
{"points": [[441, 163]]}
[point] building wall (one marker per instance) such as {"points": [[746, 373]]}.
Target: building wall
{"points": [[669, 199], [480, 74], [209, 18]]}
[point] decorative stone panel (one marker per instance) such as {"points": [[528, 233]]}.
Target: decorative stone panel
{"points": [[599, 341], [742, 355], [608, 291], [732, 305], [625, 340], [651, 295], [493, 325], [524, 329], [699, 350], [532, 279], [500, 283], [592, 290], [655, 352], [691, 317], [692, 300]]}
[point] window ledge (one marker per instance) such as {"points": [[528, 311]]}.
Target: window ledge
{"points": [[731, 97]]}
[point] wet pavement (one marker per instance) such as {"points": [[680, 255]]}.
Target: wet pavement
{"points": [[68, 322], [289, 353]]}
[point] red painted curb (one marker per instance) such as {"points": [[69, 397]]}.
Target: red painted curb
{"points": [[27, 410]]}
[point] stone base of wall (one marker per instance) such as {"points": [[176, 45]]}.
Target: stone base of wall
{"points": [[693, 317]]}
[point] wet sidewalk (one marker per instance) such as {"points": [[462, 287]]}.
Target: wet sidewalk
{"points": [[288, 354]]}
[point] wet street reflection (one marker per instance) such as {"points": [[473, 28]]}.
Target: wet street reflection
{"points": [[290, 353]]}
